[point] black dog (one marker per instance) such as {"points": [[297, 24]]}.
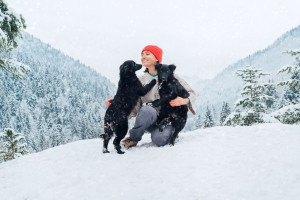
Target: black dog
{"points": [[116, 116], [169, 89]]}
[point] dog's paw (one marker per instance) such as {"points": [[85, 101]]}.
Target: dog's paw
{"points": [[105, 151], [171, 143], [155, 103], [119, 151], [153, 82]]}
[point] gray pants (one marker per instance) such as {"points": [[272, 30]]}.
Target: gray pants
{"points": [[145, 121]]}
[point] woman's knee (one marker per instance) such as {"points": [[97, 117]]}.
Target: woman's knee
{"points": [[161, 138]]}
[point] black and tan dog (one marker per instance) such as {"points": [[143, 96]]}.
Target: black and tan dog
{"points": [[116, 116], [169, 89]]}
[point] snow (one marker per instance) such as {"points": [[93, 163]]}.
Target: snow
{"points": [[257, 162], [268, 118]]}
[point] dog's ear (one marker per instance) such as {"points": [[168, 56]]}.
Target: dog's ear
{"points": [[124, 69], [172, 67], [157, 67], [131, 63]]}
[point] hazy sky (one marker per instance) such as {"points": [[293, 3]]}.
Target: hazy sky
{"points": [[200, 37]]}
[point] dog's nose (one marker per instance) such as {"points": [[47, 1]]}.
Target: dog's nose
{"points": [[138, 66]]}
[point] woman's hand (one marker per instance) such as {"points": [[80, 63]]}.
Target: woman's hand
{"points": [[108, 102], [179, 101]]}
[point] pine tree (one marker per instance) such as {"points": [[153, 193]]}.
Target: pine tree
{"points": [[290, 102], [198, 122], [215, 115], [292, 85], [270, 91], [13, 145], [252, 102], [11, 26], [224, 112], [208, 122], [293, 70]]}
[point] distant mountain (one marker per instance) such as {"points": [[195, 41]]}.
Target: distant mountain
{"points": [[226, 86], [59, 101]]}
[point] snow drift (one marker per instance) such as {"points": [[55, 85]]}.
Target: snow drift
{"points": [[258, 162]]}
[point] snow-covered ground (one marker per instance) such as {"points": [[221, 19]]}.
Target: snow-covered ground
{"points": [[258, 162]]}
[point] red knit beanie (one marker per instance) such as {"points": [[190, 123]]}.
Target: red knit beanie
{"points": [[155, 50]]}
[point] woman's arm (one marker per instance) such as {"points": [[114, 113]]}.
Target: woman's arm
{"points": [[179, 101], [108, 102]]}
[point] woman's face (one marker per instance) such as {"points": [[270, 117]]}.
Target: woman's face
{"points": [[148, 59]]}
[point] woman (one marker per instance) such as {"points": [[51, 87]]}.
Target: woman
{"points": [[146, 116]]}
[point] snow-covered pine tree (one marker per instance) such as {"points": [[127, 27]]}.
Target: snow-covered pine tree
{"points": [[208, 122], [224, 112], [11, 26], [292, 92], [252, 102], [290, 102], [13, 145], [198, 122], [215, 115], [271, 92]]}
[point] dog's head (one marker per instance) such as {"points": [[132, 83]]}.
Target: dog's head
{"points": [[128, 68], [164, 72]]}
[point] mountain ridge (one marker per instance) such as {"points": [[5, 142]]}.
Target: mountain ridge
{"points": [[59, 101], [225, 86]]}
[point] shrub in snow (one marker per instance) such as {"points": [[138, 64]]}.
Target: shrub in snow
{"points": [[12, 145], [245, 118], [288, 114], [11, 26]]}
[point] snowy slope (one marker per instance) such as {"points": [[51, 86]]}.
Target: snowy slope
{"points": [[258, 162]]}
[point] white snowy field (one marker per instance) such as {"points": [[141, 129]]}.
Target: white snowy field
{"points": [[258, 162]]}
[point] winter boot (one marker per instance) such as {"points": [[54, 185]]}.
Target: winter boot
{"points": [[127, 142]]}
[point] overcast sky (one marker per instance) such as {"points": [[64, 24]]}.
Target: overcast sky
{"points": [[200, 37]]}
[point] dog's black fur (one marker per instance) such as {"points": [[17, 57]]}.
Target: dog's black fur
{"points": [[169, 89], [116, 116]]}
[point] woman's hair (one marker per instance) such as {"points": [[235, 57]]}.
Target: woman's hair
{"points": [[146, 70]]}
